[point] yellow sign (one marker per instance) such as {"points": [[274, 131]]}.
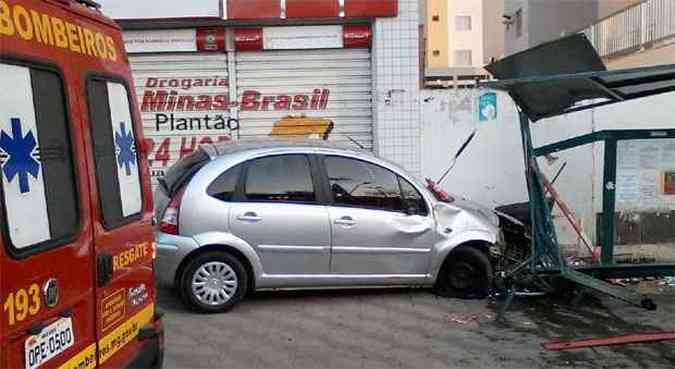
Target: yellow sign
{"points": [[30, 25], [131, 256], [86, 359], [303, 126], [122, 335], [113, 309]]}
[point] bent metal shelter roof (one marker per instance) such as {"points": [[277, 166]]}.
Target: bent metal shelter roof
{"points": [[568, 75], [547, 96]]}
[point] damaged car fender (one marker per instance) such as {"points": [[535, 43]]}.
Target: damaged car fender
{"points": [[464, 224]]}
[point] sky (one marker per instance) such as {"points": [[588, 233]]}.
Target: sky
{"points": [[164, 8]]}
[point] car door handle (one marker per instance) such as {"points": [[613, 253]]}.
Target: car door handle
{"points": [[345, 221], [249, 217]]}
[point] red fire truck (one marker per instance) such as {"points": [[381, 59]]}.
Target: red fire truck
{"points": [[76, 243]]}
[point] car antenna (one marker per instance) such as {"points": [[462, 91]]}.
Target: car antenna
{"points": [[457, 155], [356, 143]]}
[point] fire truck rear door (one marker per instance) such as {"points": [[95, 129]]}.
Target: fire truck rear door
{"points": [[46, 262], [123, 235]]}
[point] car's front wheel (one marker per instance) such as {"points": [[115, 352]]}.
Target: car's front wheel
{"points": [[467, 273], [214, 282]]}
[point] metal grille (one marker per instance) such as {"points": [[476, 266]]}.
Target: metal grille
{"points": [[174, 130], [341, 79]]}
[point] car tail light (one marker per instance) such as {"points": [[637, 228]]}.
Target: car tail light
{"points": [[169, 222]]}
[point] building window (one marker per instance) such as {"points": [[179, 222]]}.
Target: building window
{"points": [[519, 22], [436, 18], [463, 58], [463, 23], [437, 53]]}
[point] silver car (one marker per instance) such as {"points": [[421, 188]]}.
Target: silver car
{"points": [[235, 218]]}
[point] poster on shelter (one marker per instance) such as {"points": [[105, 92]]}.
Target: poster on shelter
{"points": [[645, 175]]}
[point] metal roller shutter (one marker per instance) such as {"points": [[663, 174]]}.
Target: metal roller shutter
{"points": [[184, 102], [306, 93]]}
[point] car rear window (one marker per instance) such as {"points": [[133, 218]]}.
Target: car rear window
{"points": [[225, 186], [182, 171]]}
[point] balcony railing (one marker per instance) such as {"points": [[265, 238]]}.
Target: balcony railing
{"points": [[633, 28]]}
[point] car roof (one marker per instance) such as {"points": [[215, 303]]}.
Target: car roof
{"points": [[261, 145], [244, 149], [235, 152]]}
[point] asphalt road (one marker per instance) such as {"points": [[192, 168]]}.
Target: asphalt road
{"points": [[409, 329]]}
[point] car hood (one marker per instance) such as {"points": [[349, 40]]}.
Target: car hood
{"points": [[466, 215], [478, 210]]}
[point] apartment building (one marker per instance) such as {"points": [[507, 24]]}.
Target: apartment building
{"points": [[641, 34], [528, 23], [626, 33], [462, 36]]}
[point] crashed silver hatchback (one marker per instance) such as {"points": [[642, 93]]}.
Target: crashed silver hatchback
{"points": [[239, 217]]}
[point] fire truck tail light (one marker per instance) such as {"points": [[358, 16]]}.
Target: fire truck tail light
{"points": [[170, 219]]}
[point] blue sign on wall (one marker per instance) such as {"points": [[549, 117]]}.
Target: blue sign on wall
{"points": [[487, 107]]}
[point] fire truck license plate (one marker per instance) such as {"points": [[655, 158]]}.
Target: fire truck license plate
{"points": [[54, 339]]}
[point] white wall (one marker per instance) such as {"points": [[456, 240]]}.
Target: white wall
{"points": [[135, 9], [491, 171]]}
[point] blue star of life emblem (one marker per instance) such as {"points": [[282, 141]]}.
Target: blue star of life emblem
{"points": [[22, 151], [126, 148]]}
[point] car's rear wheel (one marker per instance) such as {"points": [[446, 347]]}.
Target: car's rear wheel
{"points": [[214, 282], [467, 273]]}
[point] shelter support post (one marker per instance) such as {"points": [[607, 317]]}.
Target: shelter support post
{"points": [[608, 203]]}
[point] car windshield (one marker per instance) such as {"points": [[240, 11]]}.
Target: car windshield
{"points": [[182, 171]]}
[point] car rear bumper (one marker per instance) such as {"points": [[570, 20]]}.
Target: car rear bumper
{"points": [[151, 355], [171, 250]]}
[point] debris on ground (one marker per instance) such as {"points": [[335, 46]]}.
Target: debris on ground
{"points": [[609, 341], [474, 318]]}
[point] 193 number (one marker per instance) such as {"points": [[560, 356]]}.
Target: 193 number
{"points": [[22, 304]]}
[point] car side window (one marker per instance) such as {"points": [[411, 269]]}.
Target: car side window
{"points": [[285, 178], [115, 148], [413, 202], [225, 186], [360, 184], [38, 176]]}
